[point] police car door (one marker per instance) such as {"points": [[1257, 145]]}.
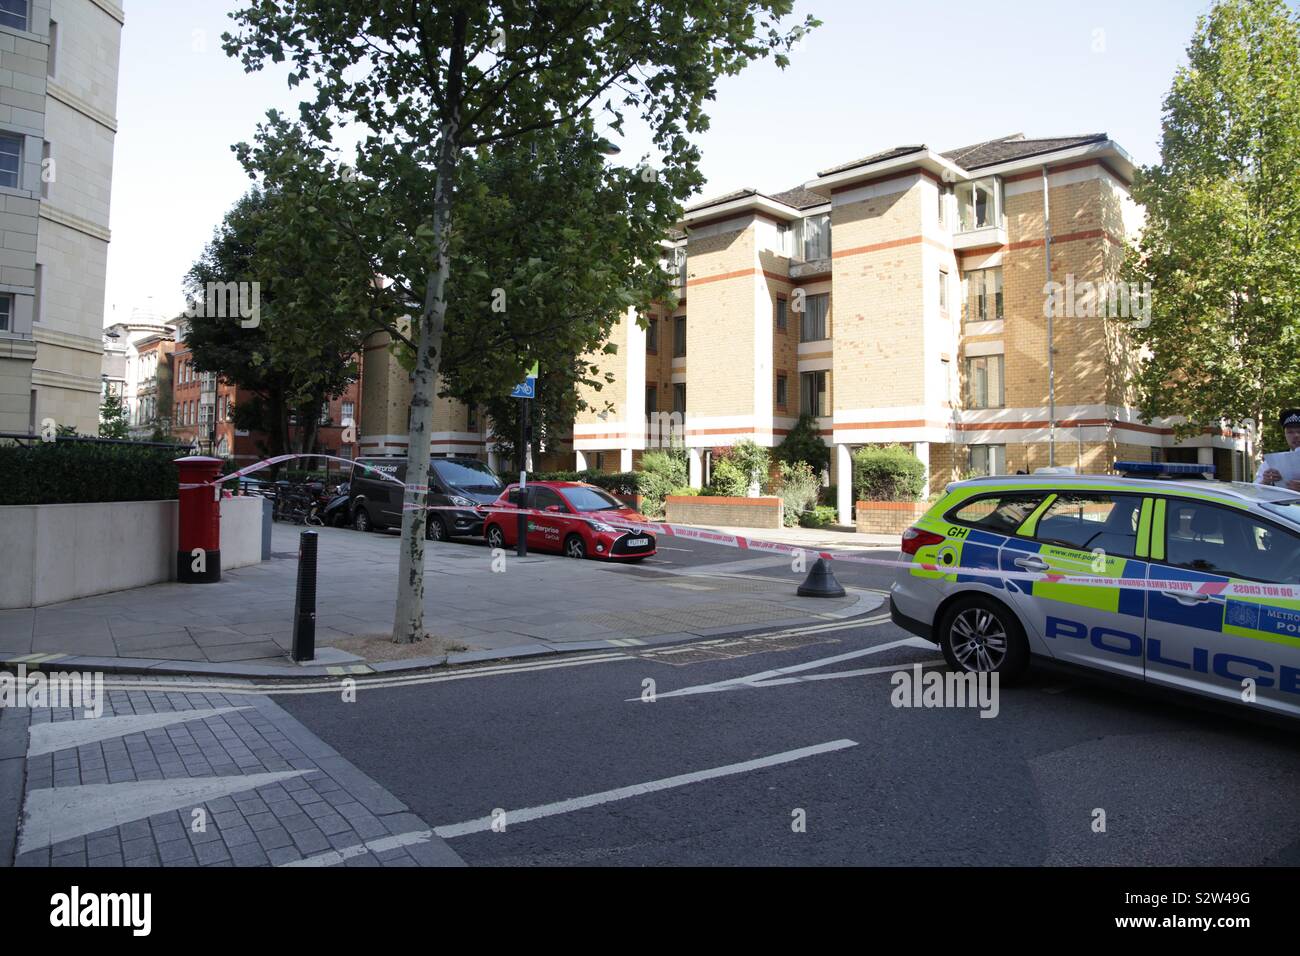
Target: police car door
{"points": [[1092, 534], [1227, 646]]}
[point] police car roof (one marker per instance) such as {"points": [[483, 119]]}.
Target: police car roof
{"points": [[1242, 491]]}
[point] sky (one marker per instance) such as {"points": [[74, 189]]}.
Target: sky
{"points": [[874, 75]]}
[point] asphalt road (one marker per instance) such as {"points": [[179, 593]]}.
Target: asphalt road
{"points": [[733, 773]]}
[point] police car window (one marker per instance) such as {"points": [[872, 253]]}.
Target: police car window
{"points": [[1224, 541], [1001, 514], [1087, 522]]}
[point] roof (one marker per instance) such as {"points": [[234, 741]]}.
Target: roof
{"points": [[874, 158], [1239, 490], [799, 198], [1016, 146]]}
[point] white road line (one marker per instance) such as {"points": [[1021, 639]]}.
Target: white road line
{"points": [[49, 737], [526, 814], [335, 857], [792, 669], [61, 813], [839, 675]]}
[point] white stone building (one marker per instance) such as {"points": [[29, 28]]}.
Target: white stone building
{"points": [[58, 105]]}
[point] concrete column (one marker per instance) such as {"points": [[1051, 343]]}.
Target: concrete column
{"points": [[844, 484], [695, 465], [922, 451], [1205, 456], [493, 461], [580, 461], [625, 459]]}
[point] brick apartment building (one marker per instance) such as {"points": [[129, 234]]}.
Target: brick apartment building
{"points": [[898, 298]]}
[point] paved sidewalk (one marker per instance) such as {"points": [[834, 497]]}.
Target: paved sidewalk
{"points": [[196, 779], [243, 625], [831, 539]]}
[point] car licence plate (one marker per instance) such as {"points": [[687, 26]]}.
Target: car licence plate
{"points": [[637, 542]]}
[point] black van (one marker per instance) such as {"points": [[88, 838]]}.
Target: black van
{"points": [[455, 484]]}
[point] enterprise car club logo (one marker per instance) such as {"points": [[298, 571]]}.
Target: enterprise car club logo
{"points": [[74, 909]]}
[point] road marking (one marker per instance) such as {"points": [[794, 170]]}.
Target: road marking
{"points": [[62, 813], [335, 857], [839, 675], [51, 736], [636, 790], [768, 675]]}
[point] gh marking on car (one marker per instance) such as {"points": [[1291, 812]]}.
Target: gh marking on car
{"points": [[572, 519], [1200, 534]]}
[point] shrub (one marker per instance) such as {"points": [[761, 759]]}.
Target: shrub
{"points": [[803, 443], [729, 480], [798, 490], [753, 461], [616, 483], [829, 495], [821, 516], [891, 473], [59, 472], [662, 473]]}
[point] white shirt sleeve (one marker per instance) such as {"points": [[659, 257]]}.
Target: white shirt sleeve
{"points": [[1259, 475]]}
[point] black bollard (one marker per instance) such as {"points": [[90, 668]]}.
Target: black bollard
{"points": [[304, 609], [821, 582]]}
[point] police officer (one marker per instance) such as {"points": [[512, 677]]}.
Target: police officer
{"points": [[1290, 421]]}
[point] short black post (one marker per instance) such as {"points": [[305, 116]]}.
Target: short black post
{"points": [[821, 582], [304, 609]]}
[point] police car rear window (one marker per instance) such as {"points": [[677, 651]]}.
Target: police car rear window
{"points": [[1001, 513]]}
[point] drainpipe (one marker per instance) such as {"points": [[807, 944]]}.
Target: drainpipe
{"points": [[1051, 356]]}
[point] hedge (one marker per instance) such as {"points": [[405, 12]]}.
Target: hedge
{"points": [[616, 483], [891, 473], [58, 472]]}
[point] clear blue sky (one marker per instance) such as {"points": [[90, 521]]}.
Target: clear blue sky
{"points": [[873, 76]]}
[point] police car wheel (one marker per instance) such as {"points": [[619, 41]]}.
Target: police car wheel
{"points": [[496, 537], [978, 634], [435, 530], [575, 547]]}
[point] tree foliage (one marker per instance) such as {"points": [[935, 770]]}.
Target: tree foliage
{"points": [[1221, 245]]}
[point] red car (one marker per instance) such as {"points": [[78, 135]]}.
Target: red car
{"points": [[569, 522]]}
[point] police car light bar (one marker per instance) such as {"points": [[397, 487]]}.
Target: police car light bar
{"points": [[1163, 469]]}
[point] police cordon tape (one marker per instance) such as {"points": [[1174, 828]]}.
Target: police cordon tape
{"points": [[1177, 588]]}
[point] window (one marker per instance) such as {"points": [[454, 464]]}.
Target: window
{"points": [[979, 204], [814, 238], [812, 327], [984, 295], [1086, 522], [679, 337], [13, 13], [988, 459], [1001, 514], [814, 400], [679, 398], [544, 498], [591, 499], [52, 69], [677, 266], [471, 416], [47, 169], [943, 290], [350, 410], [783, 238], [6, 313], [984, 382], [11, 157], [38, 293], [651, 399], [943, 204], [781, 390], [1214, 540], [781, 319], [325, 413], [652, 335]]}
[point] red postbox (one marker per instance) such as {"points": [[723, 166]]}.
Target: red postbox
{"points": [[198, 555]]}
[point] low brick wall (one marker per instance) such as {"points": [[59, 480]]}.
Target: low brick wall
{"points": [[728, 512], [888, 517], [632, 501]]}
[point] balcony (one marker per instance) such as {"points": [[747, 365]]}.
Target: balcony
{"points": [[980, 221]]}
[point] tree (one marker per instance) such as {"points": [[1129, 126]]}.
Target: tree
{"points": [[112, 417], [804, 443], [1221, 245], [434, 81]]}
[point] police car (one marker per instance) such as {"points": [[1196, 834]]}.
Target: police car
{"points": [[1224, 625]]}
